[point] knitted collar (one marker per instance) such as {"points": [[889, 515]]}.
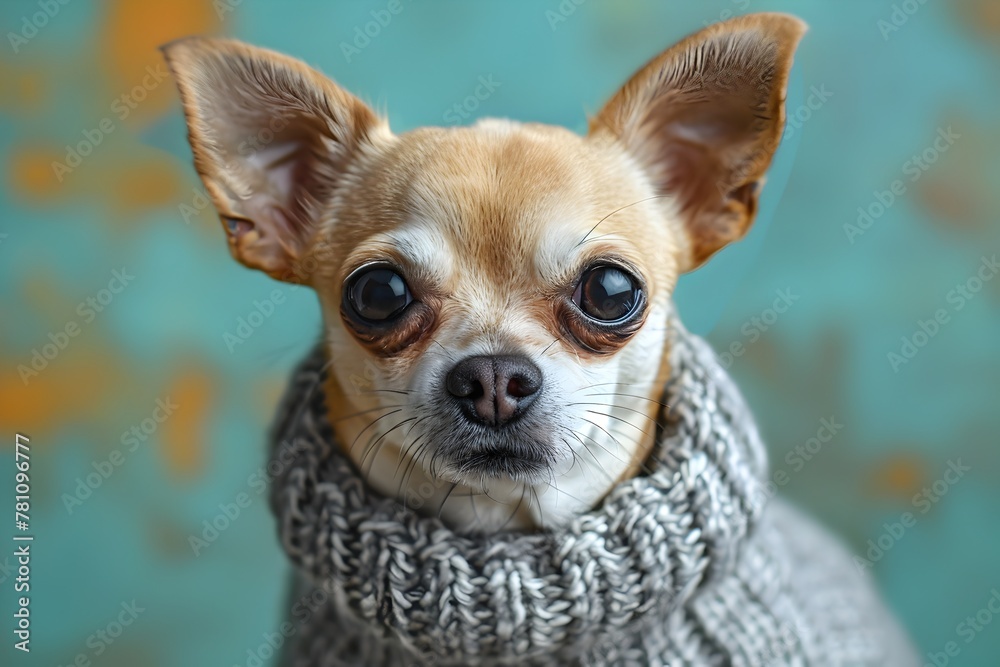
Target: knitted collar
{"points": [[653, 542]]}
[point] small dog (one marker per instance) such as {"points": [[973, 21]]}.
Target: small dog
{"points": [[495, 296]]}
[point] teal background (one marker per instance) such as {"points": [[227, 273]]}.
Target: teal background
{"points": [[162, 336]]}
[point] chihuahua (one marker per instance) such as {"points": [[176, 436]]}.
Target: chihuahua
{"points": [[495, 298]]}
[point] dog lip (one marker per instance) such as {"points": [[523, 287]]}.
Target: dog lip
{"points": [[502, 461], [500, 466]]}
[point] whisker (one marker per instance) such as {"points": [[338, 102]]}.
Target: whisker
{"points": [[642, 398], [554, 341], [646, 469], [616, 211], [375, 446], [405, 450], [446, 350], [541, 510], [624, 384], [625, 421], [446, 496], [617, 407], [516, 508], [606, 432], [370, 424], [405, 392], [597, 461], [410, 468], [364, 412]]}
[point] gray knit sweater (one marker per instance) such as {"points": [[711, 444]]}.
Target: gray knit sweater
{"points": [[691, 564]]}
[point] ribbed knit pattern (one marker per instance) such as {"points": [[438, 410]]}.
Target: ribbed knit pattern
{"points": [[689, 564]]}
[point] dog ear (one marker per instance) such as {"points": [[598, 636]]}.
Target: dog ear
{"points": [[271, 138], [704, 118]]}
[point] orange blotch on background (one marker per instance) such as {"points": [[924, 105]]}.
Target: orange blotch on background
{"points": [[268, 394], [953, 202], [983, 16], [44, 297], [29, 87], [167, 537], [185, 431], [153, 182], [31, 174], [900, 476], [132, 33], [74, 387], [21, 90]]}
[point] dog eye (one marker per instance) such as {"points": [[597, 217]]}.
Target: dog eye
{"points": [[607, 294], [378, 294]]}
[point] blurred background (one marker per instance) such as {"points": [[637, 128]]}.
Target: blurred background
{"points": [[861, 316]]}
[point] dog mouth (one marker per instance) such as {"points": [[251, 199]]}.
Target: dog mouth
{"points": [[519, 462], [502, 462]]}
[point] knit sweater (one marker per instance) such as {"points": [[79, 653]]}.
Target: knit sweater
{"points": [[691, 563]]}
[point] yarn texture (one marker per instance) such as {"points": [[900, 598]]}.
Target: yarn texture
{"points": [[691, 563]]}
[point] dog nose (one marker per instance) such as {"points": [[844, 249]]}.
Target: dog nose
{"points": [[494, 390]]}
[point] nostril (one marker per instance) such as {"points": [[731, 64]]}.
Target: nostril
{"points": [[464, 387], [521, 387], [469, 378]]}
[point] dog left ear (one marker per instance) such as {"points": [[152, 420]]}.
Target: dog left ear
{"points": [[272, 139], [704, 119]]}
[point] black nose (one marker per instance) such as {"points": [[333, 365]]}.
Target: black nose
{"points": [[494, 390]]}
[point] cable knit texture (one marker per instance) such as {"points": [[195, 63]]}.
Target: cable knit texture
{"points": [[690, 564]]}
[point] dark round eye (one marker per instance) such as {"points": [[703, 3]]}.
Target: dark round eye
{"points": [[607, 294], [378, 294]]}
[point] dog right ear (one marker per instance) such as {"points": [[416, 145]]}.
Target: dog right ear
{"points": [[704, 119], [271, 137]]}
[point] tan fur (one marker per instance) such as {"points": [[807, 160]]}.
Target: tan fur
{"points": [[491, 225]]}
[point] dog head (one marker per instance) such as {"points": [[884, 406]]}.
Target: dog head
{"points": [[494, 297]]}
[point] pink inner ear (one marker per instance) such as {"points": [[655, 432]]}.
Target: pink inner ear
{"points": [[272, 219], [695, 146], [689, 171]]}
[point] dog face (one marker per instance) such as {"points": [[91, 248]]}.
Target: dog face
{"points": [[495, 297]]}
